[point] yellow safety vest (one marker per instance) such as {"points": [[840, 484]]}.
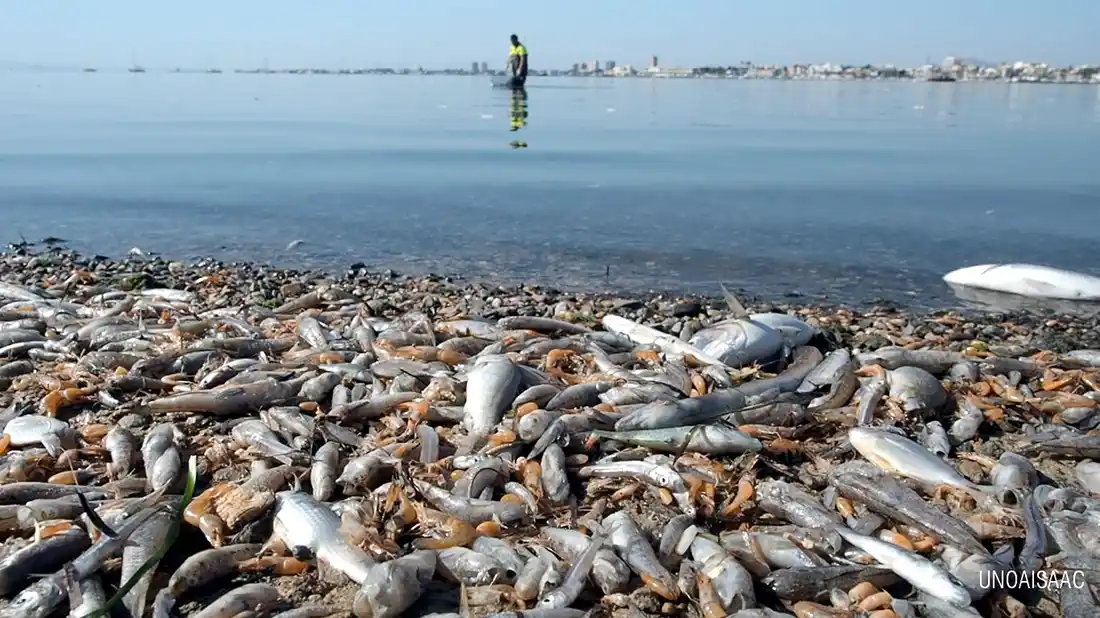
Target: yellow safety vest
{"points": [[519, 50]]}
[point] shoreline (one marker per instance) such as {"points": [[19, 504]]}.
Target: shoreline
{"points": [[1081, 75], [263, 286]]}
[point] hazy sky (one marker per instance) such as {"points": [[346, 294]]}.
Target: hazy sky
{"points": [[452, 33]]}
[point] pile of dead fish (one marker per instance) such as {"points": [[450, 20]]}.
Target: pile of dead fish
{"points": [[377, 461]]}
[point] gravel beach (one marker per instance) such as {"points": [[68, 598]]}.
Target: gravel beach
{"points": [[377, 445]]}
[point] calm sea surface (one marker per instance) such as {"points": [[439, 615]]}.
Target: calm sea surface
{"points": [[850, 191]]}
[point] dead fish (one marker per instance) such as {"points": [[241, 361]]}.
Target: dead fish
{"points": [[257, 435], [250, 598], [655, 474], [916, 389], [228, 400], [706, 439], [16, 568], [199, 570], [301, 521], [322, 474], [632, 547]]}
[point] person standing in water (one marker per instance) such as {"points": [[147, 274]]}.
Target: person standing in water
{"points": [[517, 62]]}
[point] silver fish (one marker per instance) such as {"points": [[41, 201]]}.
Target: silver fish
{"points": [[706, 439], [655, 474], [898, 454], [491, 387], [609, 572], [301, 521], [632, 547], [259, 598], [911, 567]]}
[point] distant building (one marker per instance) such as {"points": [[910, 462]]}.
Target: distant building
{"points": [[576, 68], [653, 62], [484, 67], [474, 68], [595, 66], [950, 61], [609, 65]]}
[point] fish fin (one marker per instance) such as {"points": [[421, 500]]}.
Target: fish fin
{"points": [[94, 517], [154, 497], [734, 305]]}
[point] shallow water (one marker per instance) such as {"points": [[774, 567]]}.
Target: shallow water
{"points": [[832, 190]]}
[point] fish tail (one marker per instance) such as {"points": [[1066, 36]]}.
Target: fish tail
{"points": [[163, 604]]}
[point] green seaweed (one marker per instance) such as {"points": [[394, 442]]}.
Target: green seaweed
{"points": [[585, 318], [173, 532]]}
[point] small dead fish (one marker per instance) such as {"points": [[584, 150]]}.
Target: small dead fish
{"points": [[898, 454], [301, 521], [254, 599], [657, 475], [256, 434], [911, 567], [632, 547], [706, 439], [226, 400], [199, 570], [555, 482], [322, 474], [44, 556], [466, 566]]}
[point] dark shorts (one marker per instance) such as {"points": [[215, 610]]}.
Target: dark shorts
{"points": [[519, 80]]}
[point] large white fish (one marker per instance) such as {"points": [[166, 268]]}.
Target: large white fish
{"points": [[1027, 280], [910, 566], [302, 521], [794, 331], [739, 342], [490, 389], [743, 340], [644, 335], [900, 455]]}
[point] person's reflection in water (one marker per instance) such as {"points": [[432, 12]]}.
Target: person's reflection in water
{"points": [[519, 115]]}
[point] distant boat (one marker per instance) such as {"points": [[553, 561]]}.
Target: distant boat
{"points": [[942, 78], [89, 70], [214, 71], [137, 69]]}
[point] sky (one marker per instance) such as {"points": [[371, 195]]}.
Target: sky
{"points": [[232, 34]]}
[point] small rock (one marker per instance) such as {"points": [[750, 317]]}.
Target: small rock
{"points": [[626, 303], [291, 290], [686, 309]]}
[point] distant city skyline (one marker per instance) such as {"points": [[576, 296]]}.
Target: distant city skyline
{"points": [[434, 34]]}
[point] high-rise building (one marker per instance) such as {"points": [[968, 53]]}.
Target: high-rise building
{"points": [[609, 65], [484, 67], [595, 66], [576, 68], [653, 62], [474, 68]]}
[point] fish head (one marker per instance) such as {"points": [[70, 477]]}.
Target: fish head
{"points": [[870, 444], [554, 600], [665, 476]]}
